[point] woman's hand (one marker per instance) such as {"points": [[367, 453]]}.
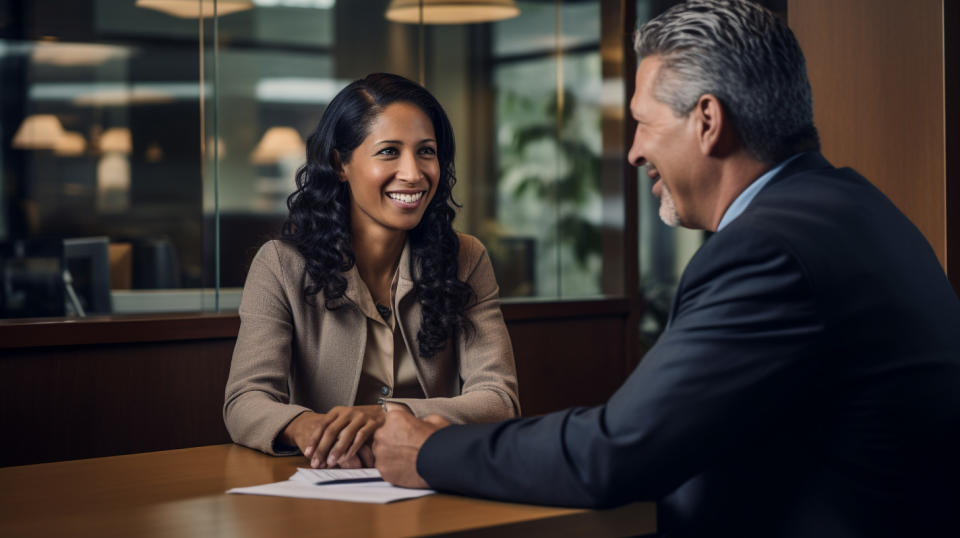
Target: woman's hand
{"points": [[335, 438]]}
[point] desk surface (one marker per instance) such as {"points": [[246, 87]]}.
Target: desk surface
{"points": [[181, 493]]}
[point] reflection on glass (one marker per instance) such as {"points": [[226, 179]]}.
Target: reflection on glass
{"points": [[548, 149], [176, 134], [101, 139]]}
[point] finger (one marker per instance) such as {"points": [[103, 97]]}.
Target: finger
{"points": [[346, 438], [366, 456], [319, 426], [361, 437], [350, 463], [329, 437]]}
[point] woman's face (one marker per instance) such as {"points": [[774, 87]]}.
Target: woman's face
{"points": [[393, 173]]}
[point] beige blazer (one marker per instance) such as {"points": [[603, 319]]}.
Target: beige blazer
{"points": [[292, 356]]}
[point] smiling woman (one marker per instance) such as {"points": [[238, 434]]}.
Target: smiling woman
{"points": [[370, 296], [393, 174]]}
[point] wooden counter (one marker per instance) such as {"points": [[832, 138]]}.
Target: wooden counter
{"points": [[181, 493]]}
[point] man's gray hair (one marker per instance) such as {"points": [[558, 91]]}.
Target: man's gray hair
{"points": [[747, 58]]}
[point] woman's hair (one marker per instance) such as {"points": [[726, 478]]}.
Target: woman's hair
{"points": [[319, 221]]}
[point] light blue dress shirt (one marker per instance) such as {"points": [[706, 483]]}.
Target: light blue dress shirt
{"points": [[741, 202]]}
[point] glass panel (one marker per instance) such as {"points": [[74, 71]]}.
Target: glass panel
{"points": [[157, 117], [548, 144], [279, 65], [101, 157], [528, 172]]}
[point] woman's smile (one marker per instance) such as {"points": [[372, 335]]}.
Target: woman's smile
{"points": [[406, 199]]}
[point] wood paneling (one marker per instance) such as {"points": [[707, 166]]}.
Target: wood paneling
{"points": [[877, 71], [45, 332], [104, 387], [61, 403], [562, 363]]}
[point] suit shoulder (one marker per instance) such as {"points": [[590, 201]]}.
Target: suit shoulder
{"points": [[744, 244]]}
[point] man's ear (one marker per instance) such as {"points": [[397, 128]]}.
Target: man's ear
{"points": [[714, 128]]}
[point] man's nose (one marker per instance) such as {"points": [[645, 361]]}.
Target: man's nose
{"points": [[635, 155]]}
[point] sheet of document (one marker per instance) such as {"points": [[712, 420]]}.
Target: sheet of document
{"points": [[303, 485], [326, 476]]}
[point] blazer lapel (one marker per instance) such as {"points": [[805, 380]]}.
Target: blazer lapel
{"points": [[409, 315], [342, 346]]}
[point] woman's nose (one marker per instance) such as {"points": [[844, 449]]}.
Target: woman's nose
{"points": [[409, 167]]}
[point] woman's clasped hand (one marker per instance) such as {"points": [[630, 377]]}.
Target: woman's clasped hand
{"points": [[338, 438]]}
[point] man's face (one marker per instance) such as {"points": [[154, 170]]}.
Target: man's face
{"points": [[668, 145]]}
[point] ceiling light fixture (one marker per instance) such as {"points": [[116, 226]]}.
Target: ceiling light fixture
{"points": [[192, 9], [451, 11]]}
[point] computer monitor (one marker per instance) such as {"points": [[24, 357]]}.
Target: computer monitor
{"points": [[88, 260]]}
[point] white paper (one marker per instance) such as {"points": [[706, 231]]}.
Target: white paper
{"points": [[303, 485], [319, 476]]}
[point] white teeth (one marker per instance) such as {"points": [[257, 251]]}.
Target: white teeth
{"points": [[406, 198]]}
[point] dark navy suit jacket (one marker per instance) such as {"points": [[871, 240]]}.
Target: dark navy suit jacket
{"points": [[807, 384]]}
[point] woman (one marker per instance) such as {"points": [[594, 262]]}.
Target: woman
{"points": [[369, 296]]}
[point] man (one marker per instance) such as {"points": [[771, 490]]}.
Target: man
{"points": [[807, 381]]}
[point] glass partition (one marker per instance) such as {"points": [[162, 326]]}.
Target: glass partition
{"points": [[148, 146], [101, 160]]}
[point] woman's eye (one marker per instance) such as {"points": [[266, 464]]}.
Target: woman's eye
{"points": [[387, 151], [427, 150]]}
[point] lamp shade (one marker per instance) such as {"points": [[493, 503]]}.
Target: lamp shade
{"points": [[70, 54], [71, 144], [116, 140], [38, 131], [278, 143], [451, 11], [192, 9]]}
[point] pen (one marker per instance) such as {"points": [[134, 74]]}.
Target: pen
{"points": [[349, 481]]}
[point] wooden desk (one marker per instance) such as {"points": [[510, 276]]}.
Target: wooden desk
{"points": [[181, 493]]}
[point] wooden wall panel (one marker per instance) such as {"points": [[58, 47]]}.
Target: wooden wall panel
{"points": [[61, 403], [563, 363], [877, 71], [92, 399]]}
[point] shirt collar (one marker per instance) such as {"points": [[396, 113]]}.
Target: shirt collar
{"points": [[740, 204], [404, 277]]}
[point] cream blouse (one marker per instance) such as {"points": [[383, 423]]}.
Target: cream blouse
{"points": [[388, 368]]}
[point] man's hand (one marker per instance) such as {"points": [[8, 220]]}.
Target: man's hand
{"points": [[334, 439], [397, 443]]}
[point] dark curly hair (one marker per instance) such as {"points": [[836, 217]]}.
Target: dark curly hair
{"points": [[319, 221]]}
